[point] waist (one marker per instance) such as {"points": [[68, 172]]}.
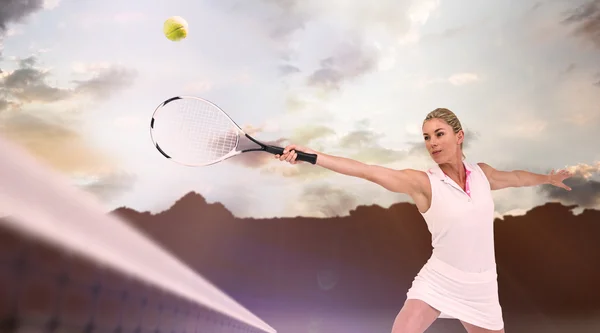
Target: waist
{"points": [[453, 272]]}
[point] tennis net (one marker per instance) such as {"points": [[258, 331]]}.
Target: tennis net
{"points": [[67, 266]]}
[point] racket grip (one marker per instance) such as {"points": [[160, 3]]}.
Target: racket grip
{"points": [[302, 156]]}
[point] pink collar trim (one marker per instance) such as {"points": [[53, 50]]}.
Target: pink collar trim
{"points": [[437, 171]]}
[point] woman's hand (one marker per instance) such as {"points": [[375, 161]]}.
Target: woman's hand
{"points": [[557, 179], [289, 153]]}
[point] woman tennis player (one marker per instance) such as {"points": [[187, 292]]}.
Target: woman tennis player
{"points": [[459, 280]]}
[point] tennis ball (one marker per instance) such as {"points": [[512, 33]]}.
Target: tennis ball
{"points": [[175, 28]]}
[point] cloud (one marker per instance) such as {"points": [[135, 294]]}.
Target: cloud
{"points": [[359, 25], [304, 135], [363, 145], [295, 103], [350, 60], [51, 4], [576, 99], [527, 125], [586, 19], [36, 115], [463, 78], [419, 13], [585, 191], [107, 187], [325, 200], [106, 82], [27, 84], [457, 79], [53, 140], [15, 11], [89, 68], [301, 170], [288, 69], [4, 105], [585, 171], [284, 17]]}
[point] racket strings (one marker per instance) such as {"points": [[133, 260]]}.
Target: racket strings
{"points": [[197, 133]]}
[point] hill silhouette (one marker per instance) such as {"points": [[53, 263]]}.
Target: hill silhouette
{"points": [[548, 259], [301, 274]]}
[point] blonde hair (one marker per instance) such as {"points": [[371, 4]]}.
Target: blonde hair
{"points": [[448, 117]]}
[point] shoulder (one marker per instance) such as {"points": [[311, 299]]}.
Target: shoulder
{"points": [[485, 168], [418, 177], [488, 172], [408, 181], [416, 173], [419, 181]]}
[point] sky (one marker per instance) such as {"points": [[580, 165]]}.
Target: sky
{"points": [[80, 79]]}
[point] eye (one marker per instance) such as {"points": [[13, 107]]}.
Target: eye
{"points": [[426, 138], [440, 133]]}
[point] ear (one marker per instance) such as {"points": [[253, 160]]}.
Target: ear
{"points": [[461, 136]]}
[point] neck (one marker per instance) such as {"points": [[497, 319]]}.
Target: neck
{"points": [[454, 168]]}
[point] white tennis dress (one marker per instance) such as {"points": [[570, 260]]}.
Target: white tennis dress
{"points": [[460, 278]]}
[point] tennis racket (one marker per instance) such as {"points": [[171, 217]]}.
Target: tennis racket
{"points": [[195, 132]]}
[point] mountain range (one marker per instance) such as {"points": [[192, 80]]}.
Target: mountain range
{"points": [[341, 274], [548, 259]]}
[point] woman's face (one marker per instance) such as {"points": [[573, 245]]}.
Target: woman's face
{"points": [[441, 141]]}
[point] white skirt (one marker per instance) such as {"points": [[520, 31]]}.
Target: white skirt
{"points": [[470, 297]]}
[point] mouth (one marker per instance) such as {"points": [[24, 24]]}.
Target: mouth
{"points": [[435, 152]]}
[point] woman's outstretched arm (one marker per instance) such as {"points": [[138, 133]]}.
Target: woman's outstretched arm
{"points": [[406, 181], [520, 178]]}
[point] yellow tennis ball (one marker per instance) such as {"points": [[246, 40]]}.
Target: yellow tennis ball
{"points": [[175, 28]]}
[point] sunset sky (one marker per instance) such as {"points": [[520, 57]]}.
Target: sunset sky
{"points": [[79, 80]]}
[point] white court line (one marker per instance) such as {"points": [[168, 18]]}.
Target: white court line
{"points": [[45, 204]]}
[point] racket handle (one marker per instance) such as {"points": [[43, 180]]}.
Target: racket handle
{"points": [[310, 158]]}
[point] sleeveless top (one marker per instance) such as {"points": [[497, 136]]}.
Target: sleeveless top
{"points": [[461, 223]]}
